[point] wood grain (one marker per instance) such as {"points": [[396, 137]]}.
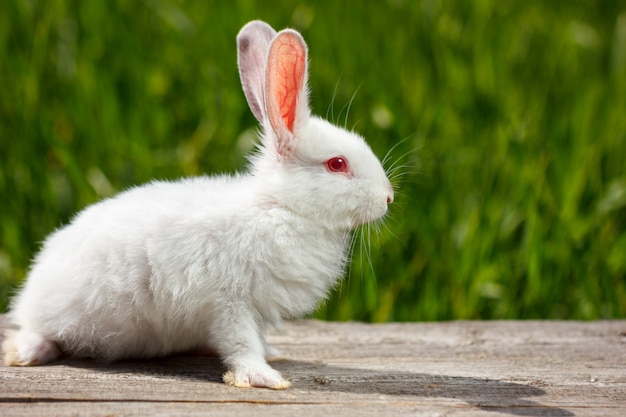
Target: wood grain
{"points": [[464, 368]]}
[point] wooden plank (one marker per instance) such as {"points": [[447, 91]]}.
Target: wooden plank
{"points": [[546, 368]]}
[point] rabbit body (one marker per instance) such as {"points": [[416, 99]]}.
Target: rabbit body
{"points": [[210, 261], [166, 268], [148, 272]]}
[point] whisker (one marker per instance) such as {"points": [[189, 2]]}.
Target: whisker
{"points": [[368, 251], [361, 255], [331, 106], [393, 148], [388, 229], [348, 273], [349, 104], [353, 128], [395, 169], [400, 162], [399, 168], [405, 196]]}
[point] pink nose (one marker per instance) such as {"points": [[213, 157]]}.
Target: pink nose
{"points": [[390, 195]]}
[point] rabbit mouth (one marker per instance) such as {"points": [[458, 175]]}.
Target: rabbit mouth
{"points": [[370, 216]]}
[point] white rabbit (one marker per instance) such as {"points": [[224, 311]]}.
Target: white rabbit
{"points": [[210, 262]]}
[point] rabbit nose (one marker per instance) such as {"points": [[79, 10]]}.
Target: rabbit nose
{"points": [[390, 194], [390, 197]]}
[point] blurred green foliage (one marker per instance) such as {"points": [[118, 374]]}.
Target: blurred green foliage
{"points": [[512, 198]]}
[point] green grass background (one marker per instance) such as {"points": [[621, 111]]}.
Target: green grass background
{"points": [[513, 198]]}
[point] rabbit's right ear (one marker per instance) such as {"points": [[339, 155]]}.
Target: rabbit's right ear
{"points": [[286, 90], [253, 44]]}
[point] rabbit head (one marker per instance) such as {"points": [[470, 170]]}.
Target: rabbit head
{"points": [[308, 165]]}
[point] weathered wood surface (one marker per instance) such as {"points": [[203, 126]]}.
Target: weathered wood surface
{"points": [[527, 368]]}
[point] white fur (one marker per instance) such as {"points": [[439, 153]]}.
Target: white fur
{"points": [[207, 261]]}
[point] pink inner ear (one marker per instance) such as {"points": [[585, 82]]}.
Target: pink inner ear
{"points": [[285, 77]]}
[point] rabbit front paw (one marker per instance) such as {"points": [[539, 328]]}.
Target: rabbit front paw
{"points": [[258, 375]]}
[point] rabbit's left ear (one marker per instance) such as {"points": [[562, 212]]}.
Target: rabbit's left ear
{"points": [[287, 98], [253, 44]]}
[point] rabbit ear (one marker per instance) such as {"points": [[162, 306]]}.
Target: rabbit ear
{"points": [[253, 43], [287, 96]]}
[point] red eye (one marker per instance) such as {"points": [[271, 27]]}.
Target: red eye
{"points": [[337, 164]]}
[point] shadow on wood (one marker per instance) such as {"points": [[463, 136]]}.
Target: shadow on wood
{"points": [[483, 393]]}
